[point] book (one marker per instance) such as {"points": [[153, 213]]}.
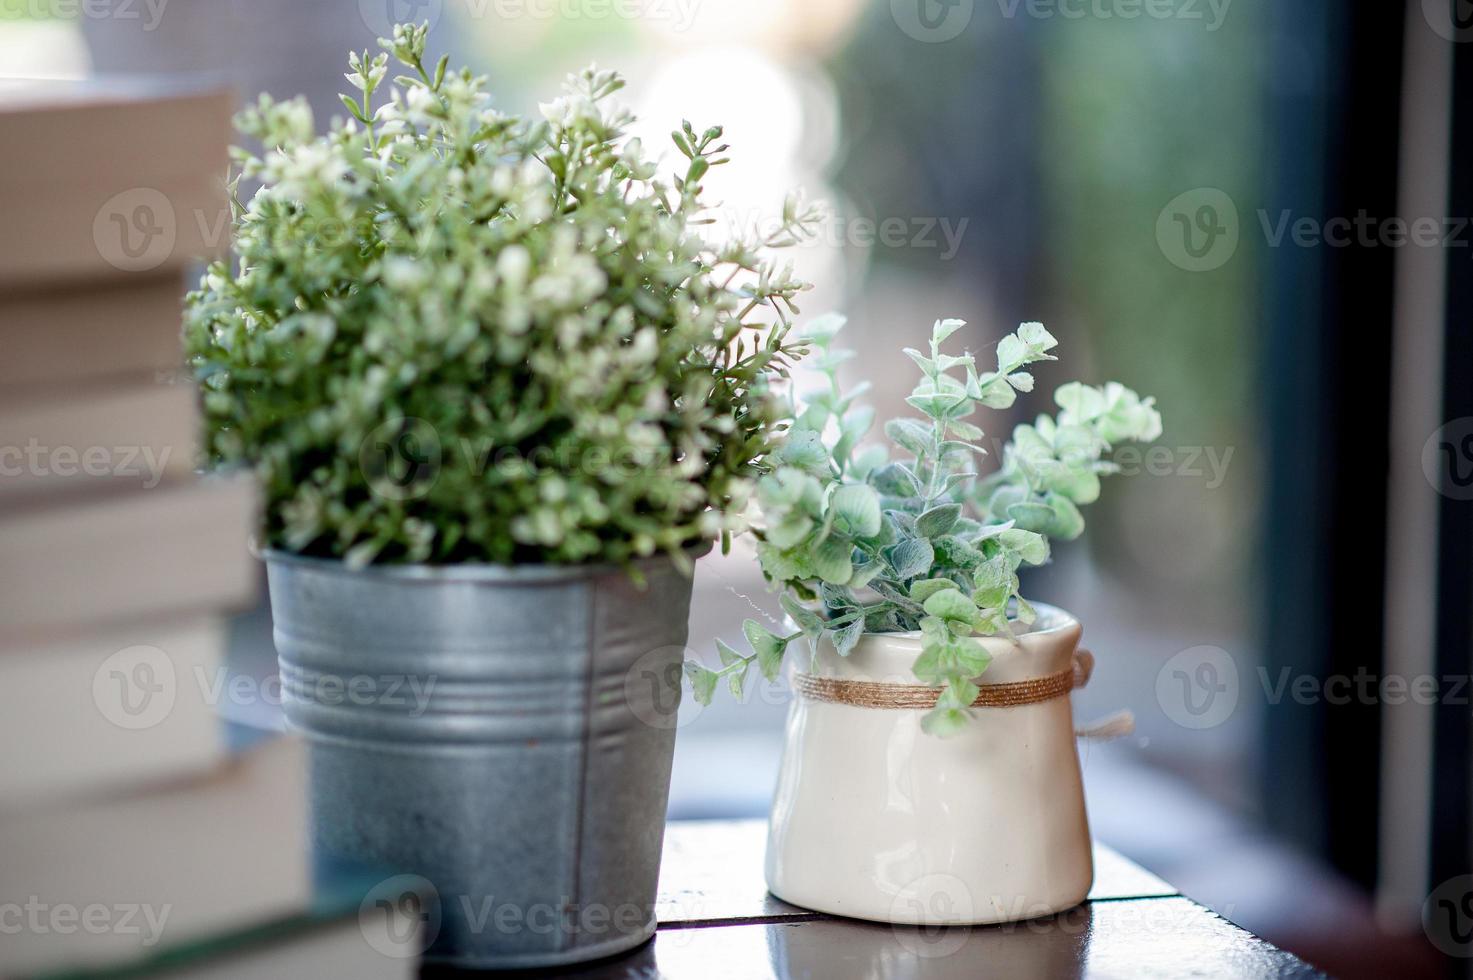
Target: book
{"points": [[125, 329], [104, 178], [170, 551], [349, 946], [121, 437], [117, 708], [206, 877]]}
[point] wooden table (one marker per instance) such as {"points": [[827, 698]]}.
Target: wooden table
{"points": [[718, 921]]}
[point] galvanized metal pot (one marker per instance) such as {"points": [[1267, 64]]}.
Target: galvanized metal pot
{"points": [[504, 732]]}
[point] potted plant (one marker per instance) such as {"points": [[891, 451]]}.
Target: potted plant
{"points": [[499, 392], [929, 773]]}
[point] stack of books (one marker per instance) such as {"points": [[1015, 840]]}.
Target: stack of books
{"points": [[132, 834], [119, 562]]}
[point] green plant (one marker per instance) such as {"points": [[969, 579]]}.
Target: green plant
{"points": [[453, 335], [859, 543]]}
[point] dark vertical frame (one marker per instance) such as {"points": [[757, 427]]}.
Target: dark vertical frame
{"points": [[1452, 764], [1335, 79]]}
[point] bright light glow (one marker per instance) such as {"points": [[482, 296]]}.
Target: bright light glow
{"points": [[756, 102], [810, 27], [42, 49], [767, 116]]}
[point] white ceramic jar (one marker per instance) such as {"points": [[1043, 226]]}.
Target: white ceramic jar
{"points": [[875, 819]]}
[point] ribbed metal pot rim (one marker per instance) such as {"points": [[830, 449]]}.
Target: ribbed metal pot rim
{"points": [[471, 571]]}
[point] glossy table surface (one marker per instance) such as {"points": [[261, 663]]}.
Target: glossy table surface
{"points": [[718, 921]]}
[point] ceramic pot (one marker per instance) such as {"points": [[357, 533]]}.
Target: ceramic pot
{"points": [[877, 820], [504, 733]]}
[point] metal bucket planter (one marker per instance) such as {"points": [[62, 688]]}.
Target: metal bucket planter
{"points": [[504, 732]]}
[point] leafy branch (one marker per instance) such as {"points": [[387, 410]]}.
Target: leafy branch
{"points": [[859, 543], [536, 286]]}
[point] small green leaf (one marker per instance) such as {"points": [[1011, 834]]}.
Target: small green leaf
{"points": [[953, 606], [814, 418], [997, 396], [913, 436], [353, 107], [1080, 402], [943, 329], [973, 659], [944, 722], [926, 404], [852, 428], [954, 448], [784, 565], [884, 618], [1011, 353], [965, 430], [921, 591], [1080, 486], [787, 489], [1037, 337], [736, 679], [804, 450], [804, 618], [791, 531], [993, 622], [858, 508], [734, 668], [1031, 547], [838, 600], [1032, 516], [833, 560], [1030, 444], [846, 637], [771, 663], [1128, 416], [890, 590], [702, 681], [868, 460], [1076, 444], [764, 644], [938, 520], [910, 557], [993, 531], [895, 480], [727, 654], [1004, 497], [866, 573], [922, 361], [1067, 523], [995, 581], [966, 528], [904, 521], [954, 551], [931, 666]]}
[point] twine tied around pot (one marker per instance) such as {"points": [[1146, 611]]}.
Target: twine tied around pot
{"points": [[881, 694], [1010, 694]]}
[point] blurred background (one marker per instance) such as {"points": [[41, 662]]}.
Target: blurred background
{"points": [[1216, 202]]}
